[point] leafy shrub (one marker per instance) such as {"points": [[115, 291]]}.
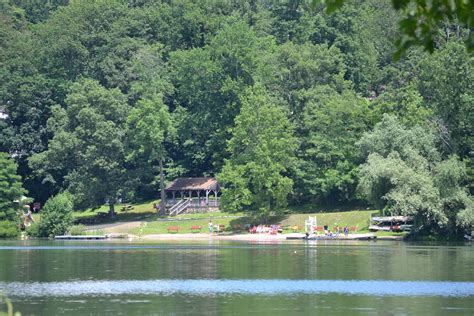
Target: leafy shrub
{"points": [[56, 216], [94, 232], [8, 229], [77, 230], [33, 230]]}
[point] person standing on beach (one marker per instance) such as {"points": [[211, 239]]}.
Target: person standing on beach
{"points": [[210, 227]]}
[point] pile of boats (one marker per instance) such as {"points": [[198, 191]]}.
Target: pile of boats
{"points": [[391, 224]]}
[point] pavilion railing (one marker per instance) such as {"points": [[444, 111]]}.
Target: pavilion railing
{"points": [[194, 204], [179, 207]]}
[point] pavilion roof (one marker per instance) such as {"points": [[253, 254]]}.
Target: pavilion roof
{"points": [[192, 184]]}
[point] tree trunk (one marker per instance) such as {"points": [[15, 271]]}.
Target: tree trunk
{"points": [[162, 189], [112, 210]]}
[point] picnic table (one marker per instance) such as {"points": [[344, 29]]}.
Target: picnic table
{"points": [[196, 229], [174, 229]]}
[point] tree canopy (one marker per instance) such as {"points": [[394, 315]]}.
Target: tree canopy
{"points": [[422, 19], [404, 174], [99, 97], [87, 154], [262, 149]]}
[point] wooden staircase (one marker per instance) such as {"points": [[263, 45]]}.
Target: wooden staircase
{"points": [[179, 207]]}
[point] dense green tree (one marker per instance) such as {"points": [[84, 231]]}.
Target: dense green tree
{"points": [[457, 203], [346, 30], [303, 67], [86, 154], [26, 97], [151, 76], [208, 83], [37, 11], [406, 103], [446, 83], [402, 186], [288, 23], [328, 158], [11, 190], [11, 194], [353, 30], [198, 81], [262, 149], [404, 175], [149, 128], [422, 19]]}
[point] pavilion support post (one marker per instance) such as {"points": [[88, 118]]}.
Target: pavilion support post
{"points": [[191, 199], [162, 188], [182, 194], [174, 197], [215, 197], [199, 198], [207, 197]]}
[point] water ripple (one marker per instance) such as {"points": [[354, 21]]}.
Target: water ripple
{"points": [[244, 287]]}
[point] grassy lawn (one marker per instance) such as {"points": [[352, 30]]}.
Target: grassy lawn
{"points": [[143, 211], [360, 219], [351, 218], [158, 225], [139, 211]]}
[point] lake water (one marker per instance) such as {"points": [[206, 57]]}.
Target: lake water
{"points": [[330, 277]]}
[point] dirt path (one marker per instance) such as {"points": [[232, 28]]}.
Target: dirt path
{"points": [[115, 227]]}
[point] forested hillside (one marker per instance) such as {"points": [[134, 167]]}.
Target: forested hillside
{"points": [[281, 101]]}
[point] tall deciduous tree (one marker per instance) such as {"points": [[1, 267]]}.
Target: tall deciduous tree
{"points": [[328, 158], [446, 83], [262, 148], [150, 127], [208, 83], [405, 175], [86, 154]]}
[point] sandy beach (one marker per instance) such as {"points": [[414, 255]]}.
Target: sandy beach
{"points": [[253, 237], [203, 236]]}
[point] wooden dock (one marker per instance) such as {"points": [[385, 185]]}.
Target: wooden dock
{"points": [[325, 237], [83, 237]]}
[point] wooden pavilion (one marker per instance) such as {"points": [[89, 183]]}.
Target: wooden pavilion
{"points": [[197, 190]]}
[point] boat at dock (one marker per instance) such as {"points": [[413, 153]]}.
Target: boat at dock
{"points": [[81, 237], [391, 223], [369, 236], [91, 237]]}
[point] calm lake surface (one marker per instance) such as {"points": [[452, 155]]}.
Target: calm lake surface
{"points": [[330, 277]]}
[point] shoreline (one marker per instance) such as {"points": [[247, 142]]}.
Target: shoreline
{"points": [[255, 237]]}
